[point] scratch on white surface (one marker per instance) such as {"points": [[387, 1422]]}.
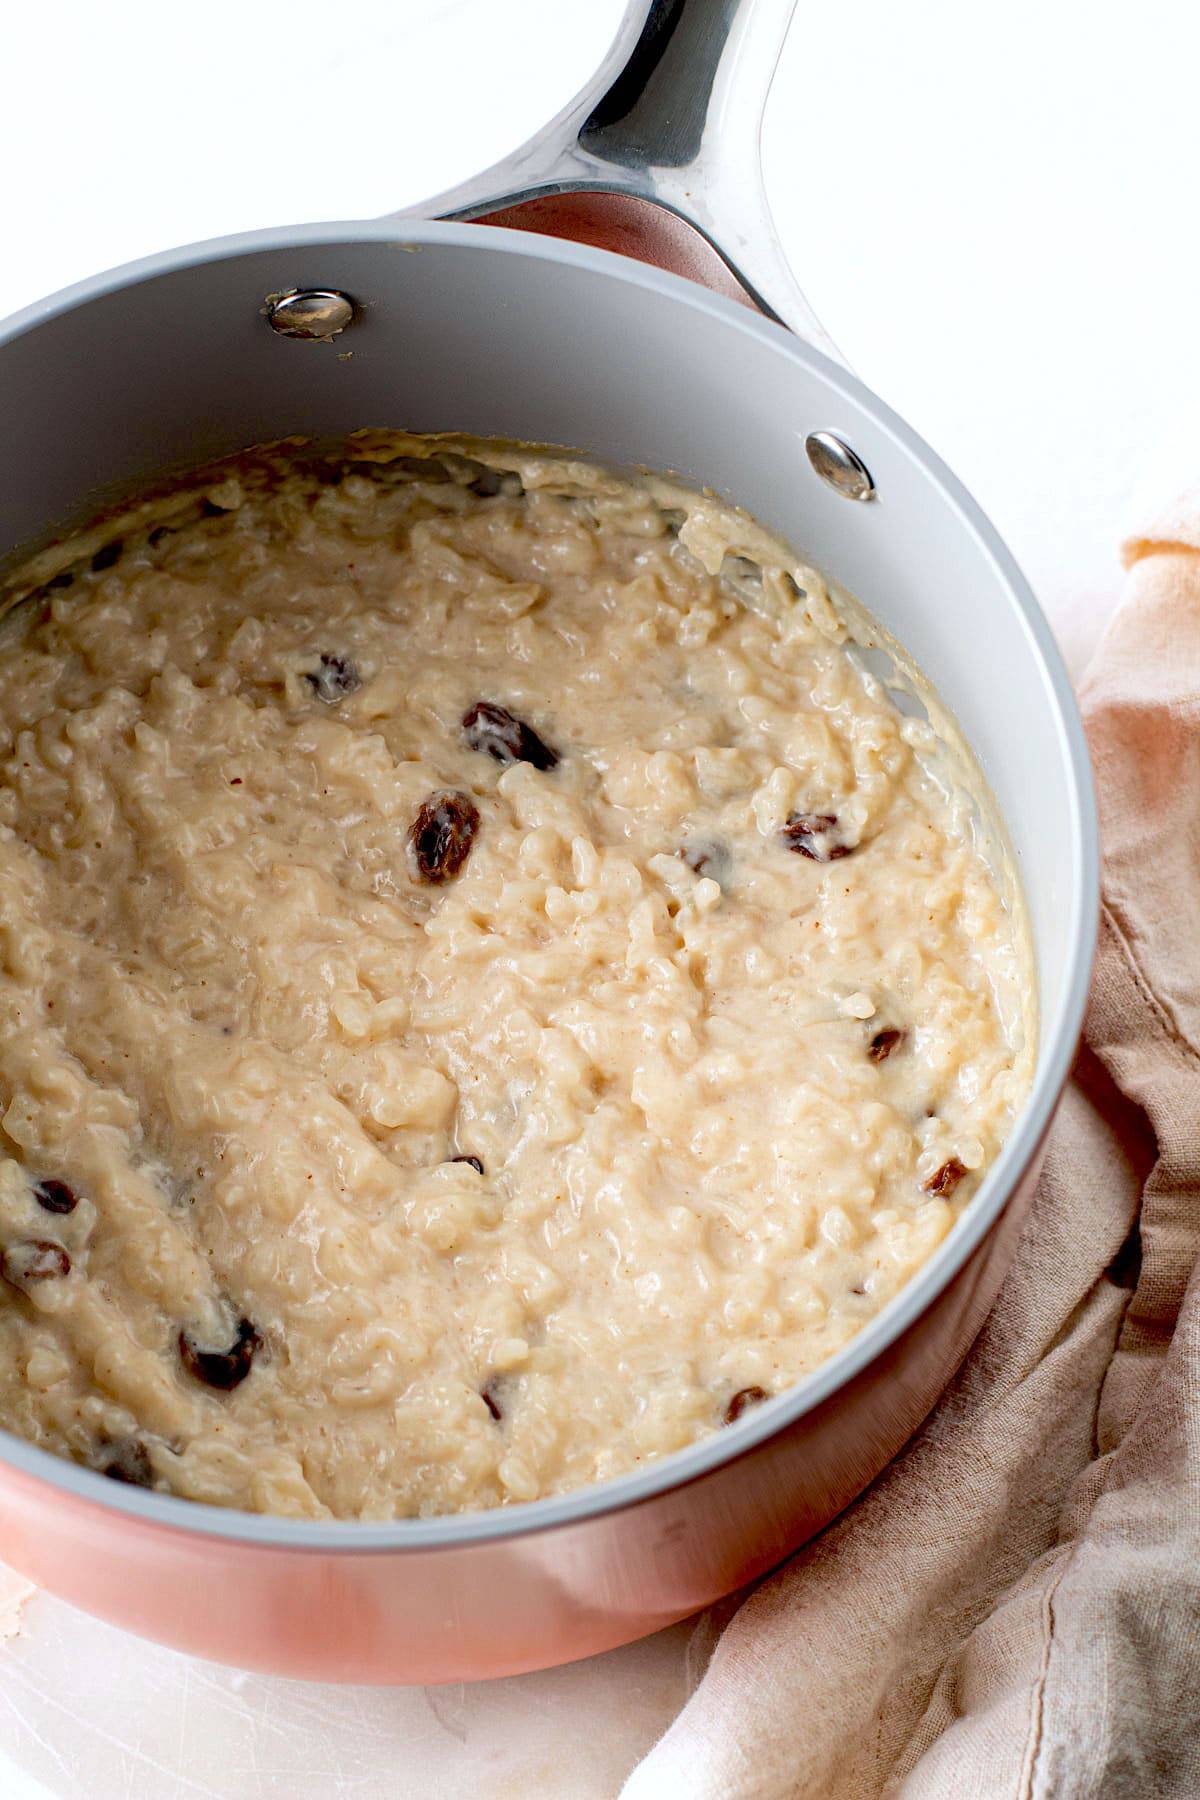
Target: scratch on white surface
{"points": [[448, 1706], [49, 1748], [125, 1745], [185, 1717]]}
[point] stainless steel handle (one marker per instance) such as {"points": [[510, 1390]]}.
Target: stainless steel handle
{"points": [[659, 156]]}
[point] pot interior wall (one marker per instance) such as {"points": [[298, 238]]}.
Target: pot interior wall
{"points": [[463, 328]]}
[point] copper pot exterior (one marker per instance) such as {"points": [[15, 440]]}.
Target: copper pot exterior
{"points": [[467, 328], [500, 1608]]}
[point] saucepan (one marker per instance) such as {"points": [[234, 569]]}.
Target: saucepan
{"points": [[701, 357]]}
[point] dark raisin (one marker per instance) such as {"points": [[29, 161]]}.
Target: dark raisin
{"points": [[34, 1259], [490, 1400], [210, 510], [106, 556], [943, 1181], [710, 860], [812, 835], [130, 1462], [55, 1196], [748, 1396], [61, 581], [490, 482], [442, 834], [160, 534], [883, 1043], [336, 677], [504, 736], [473, 1160], [224, 1369]]}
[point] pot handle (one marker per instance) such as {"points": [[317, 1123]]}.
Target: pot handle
{"points": [[658, 157]]}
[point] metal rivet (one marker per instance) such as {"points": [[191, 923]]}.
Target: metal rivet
{"points": [[836, 463], [310, 313]]}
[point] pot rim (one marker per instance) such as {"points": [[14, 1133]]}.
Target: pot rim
{"points": [[784, 1410]]}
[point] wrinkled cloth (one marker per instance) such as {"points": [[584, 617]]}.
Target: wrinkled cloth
{"points": [[1013, 1608]]}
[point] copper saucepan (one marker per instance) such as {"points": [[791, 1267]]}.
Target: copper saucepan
{"points": [[515, 333]]}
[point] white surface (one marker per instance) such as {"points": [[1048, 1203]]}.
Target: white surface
{"points": [[991, 209]]}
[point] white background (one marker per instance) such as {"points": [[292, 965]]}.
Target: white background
{"points": [[992, 208]]}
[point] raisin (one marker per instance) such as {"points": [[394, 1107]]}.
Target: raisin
{"points": [[336, 677], [55, 1196], [943, 1181], [442, 834], [106, 556], [490, 482], [61, 581], [160, 534], [34, 1259], [224, 1369], [504, 736], [708, 859], [210, 510], [811, 835], [130, 1462], [883, 1043], [473, 1160], [748, 1396], [488, 1395]]}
